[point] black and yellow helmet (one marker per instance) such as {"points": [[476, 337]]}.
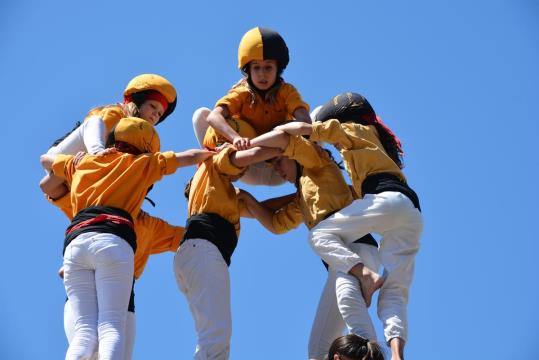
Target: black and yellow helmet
{"points": [[262, 44], [144, 84]]}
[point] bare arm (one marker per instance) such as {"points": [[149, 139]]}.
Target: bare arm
{"points": [[302, 115], [296, 128], [274, 139], [275, 204], [47, 161], [254, 155], [263, 214], [193, 156], [217, 120]]}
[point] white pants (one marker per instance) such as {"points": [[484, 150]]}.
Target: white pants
{"points": [[89, 137], [130, 330], [256, 174], [202, 276], [98, 275], [328, 323], [392, 215]]}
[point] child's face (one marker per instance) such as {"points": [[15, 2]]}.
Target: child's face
{"points": [[151, 111], [263, 73], [286, 168]]}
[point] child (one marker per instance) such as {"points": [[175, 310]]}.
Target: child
{"points": [[147, 96], [106, 194], [386, 205], [322, 191], [353, 347], [211, 234], [154, 236], [262, 98]]}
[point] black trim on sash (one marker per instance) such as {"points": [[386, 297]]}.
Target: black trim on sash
{"points": [[122, 230], [378, 183], [367, 239], [214, 228]]}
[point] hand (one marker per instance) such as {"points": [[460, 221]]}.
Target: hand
{"points": [[61, 272], [241, 143], [78, 157]]}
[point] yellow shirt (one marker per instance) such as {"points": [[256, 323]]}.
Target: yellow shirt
{"points": [[262, 114], [322, 189], [110, 114], [212, 190], [361, 150], [117, 180], [154, 236]]}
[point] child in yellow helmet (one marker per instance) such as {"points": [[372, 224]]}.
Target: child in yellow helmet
{"points": [[262, 97], [147, 96], [106, 193]]}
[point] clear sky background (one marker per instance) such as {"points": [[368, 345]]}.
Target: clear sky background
{"points": [[455, 80]]}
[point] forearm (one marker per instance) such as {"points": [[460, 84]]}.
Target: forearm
{"points": [[192, 157], [273, 139], [263, 214], [296, 128], [254, 155], [275, 204], [217, 120]]}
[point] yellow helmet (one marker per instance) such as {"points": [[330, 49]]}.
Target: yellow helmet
{"points": [[138, 133], [262, 44], [212, 139], [137, 89]]}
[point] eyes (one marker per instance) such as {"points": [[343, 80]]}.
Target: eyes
{"points": [[264, 68], [154, 108]]}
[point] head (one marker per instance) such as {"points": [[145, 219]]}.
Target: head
{"points": [[262, 57], [135, 136], [212, 139], [153, 96], [287, 168], [354, 347], [354, 108]]}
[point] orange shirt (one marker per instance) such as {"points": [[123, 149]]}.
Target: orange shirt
{"points": [[154, 236], [110, 114], [117, 180], [263, 114]]}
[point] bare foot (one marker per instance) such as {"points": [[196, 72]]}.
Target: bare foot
{"points": [[397, 348], [368, 280]]}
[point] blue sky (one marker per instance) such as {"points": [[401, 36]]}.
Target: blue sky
{"points": [[455, 80]]}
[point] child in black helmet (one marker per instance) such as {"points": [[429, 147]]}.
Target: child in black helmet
{"points": [[262, 98]]}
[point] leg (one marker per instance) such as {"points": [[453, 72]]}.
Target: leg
{"points": [[351, 304], [69, 326], [79, 283], [398, 249], [202, 276], [328, 323], [130, 332], [200, 123], [114, 280]]}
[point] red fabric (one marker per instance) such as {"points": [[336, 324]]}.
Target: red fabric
{"points": [[157, 96], [99, 219]]}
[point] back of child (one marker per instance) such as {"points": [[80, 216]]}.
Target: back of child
{"points": [[211, 235], [106, 194]]}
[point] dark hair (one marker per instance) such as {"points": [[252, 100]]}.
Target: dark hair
{"points": [[353, 107], [356, 348], [187, 189]]}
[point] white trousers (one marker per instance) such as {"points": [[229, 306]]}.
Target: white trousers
{"points": [[256, 174], [328, 323], [130, 330], [98, 274], [202, 276], [394, 217]]}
